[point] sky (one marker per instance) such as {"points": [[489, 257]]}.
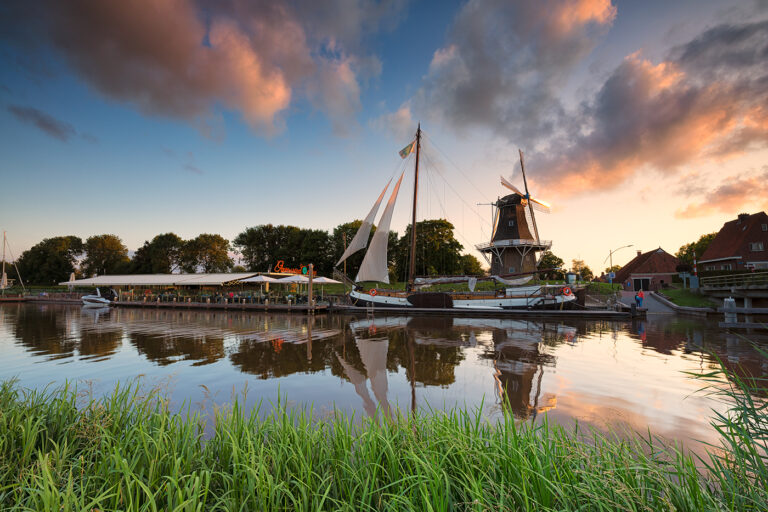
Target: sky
{"points": [[641, 122]]}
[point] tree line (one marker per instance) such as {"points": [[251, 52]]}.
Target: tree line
{"points": [[260, 247]]}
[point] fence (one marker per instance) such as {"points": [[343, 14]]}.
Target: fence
{"points": [[726, 281]]}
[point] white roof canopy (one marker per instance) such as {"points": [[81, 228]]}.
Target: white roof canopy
{"points": [[260, 279], [161, 279], [294, 279]]}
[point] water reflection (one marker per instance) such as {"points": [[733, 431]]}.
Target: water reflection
{"points": [[591, 370]]}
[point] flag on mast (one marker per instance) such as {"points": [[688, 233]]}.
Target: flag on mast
{"points": [[407, 150]]}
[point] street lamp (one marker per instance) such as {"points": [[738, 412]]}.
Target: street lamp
{"points": [[610, 257]]}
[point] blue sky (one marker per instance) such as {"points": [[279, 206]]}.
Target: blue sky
{"points": [[299, 117]]}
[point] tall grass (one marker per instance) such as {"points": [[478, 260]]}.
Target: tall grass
{"points": [[128, 452]]}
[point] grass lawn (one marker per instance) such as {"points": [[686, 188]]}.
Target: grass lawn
{"points": [[685, 297]]}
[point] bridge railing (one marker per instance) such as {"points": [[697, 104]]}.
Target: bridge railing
{"points": [[725, 281]]}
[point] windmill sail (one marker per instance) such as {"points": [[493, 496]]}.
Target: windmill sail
{"points": [[374, 266], [360, 239]]}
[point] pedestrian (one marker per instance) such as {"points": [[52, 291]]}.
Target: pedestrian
{"points": [[640, 296], [637, 299]]}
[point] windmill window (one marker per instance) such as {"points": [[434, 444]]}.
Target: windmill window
{"points": [[756, 246], [512, 223], [765, 227], [511, 270]]}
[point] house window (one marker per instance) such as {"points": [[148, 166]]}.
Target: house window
{"points": [[725, 267], [756, 246], [765, 227]]}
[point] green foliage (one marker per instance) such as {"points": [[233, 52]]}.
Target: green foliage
{"points": [[49, 262], [263, 246], [437, 251], [160, 256], [685, 254], [470, 266], [129, 452], [105, 254], [206, 253], [614, 268], [549, 260], [579, 267]]}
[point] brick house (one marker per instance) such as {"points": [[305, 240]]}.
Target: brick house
{"points": [[741, 244], [651, 270]]}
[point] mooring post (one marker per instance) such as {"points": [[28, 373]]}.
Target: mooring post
{"points": [[310, 299]]}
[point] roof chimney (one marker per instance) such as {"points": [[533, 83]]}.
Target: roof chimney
{"points": [[743, 217], [639, 252]]}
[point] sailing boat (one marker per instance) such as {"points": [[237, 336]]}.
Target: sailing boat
{"points": [[511, 253]]}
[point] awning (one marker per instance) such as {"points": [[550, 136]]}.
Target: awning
{"points": [[260, 279], [161, 279]]}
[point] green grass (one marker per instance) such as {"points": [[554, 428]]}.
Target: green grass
{"points": [[685, 297], [128, 452]]}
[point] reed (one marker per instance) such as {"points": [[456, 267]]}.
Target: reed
{"points": [[129, 452]]}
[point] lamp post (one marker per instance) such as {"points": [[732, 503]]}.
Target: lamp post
{"points": [[610, 257]]}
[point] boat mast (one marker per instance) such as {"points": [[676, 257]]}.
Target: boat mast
{"points": [[412, 264], [528, 196], [3, 274]]}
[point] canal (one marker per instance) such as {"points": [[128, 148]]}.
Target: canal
{"points": [[606, 374]]}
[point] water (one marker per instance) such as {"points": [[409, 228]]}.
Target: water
{"points": [[602, 373]]}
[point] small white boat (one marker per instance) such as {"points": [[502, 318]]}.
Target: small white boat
{"points": [[98, 300]]}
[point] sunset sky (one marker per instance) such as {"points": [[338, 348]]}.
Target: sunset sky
{"points": [[642, 122]]}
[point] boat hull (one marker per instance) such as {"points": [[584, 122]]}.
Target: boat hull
{"points": [[95, 301], [520, 298]]}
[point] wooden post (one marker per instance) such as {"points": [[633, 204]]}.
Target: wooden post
{"points": [[310, 301]]}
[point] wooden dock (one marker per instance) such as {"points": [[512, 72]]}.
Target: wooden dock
{"points": [[285, 308]]}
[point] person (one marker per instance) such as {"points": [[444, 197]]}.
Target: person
{"points": [[640, 296], [637, 299]]}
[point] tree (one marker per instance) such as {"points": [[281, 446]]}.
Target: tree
{"points": [[437, 251], [614, 268], [349, 229], [549, 260], [105, 254], [50, 261], [263, 246], [470, 266], [160, 256], [582, 269], [685, 254], [207, 252]]}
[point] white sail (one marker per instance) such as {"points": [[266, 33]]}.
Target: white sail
{"points": [[360, 239], [374, 266]]}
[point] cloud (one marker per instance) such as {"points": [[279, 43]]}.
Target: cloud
{"points": [[186, 59], [665, 116], [45, 122], [193, 169], [731, 197], [504, 64]]}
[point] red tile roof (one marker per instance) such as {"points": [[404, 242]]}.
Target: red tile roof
{"points": [[657, 261], [735, 236]]}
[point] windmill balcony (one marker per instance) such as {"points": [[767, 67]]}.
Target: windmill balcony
{"points": [[544, 244]]}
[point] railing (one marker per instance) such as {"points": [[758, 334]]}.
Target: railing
{"points": [[513, 243], [725, 281], [341, 276]]}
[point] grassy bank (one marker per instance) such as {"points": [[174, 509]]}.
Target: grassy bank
{"points": [[685, 297], [128, 452]]}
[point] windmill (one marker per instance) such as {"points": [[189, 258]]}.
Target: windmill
{"points": [[513, 247]]}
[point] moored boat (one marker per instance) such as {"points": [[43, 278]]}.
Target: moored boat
{"points": [[98, 300], [511, 253]]}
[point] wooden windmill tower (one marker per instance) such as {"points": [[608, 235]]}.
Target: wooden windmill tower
{"points": [[514, 247]]}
